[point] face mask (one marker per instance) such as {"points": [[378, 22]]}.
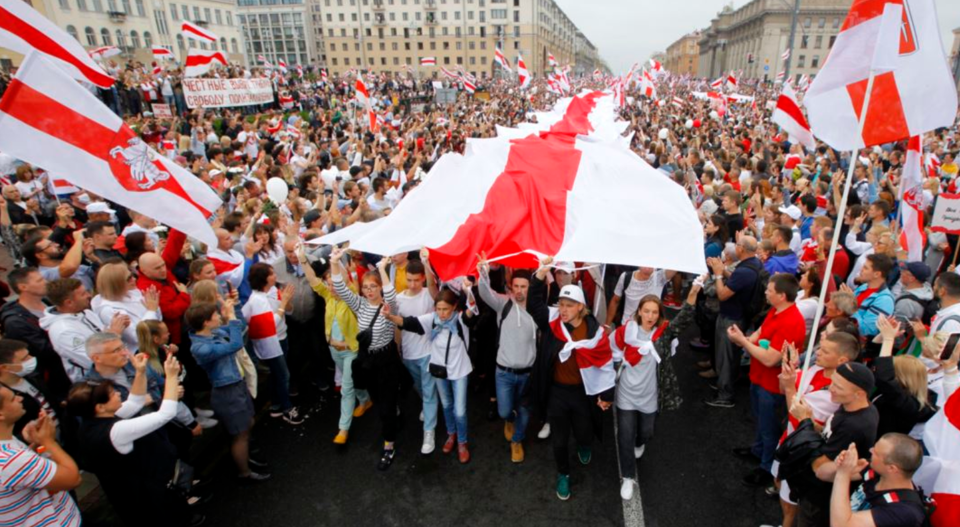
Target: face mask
{"points": [[27, 367]]}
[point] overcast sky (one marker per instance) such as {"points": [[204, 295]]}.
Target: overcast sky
{"points": [[628, 31]]}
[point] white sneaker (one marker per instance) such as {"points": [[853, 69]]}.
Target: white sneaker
{"points": [[203, 412], [206, 422], [421, 416], [626, 489], [544, 432], [428, 442], [638, 451]]}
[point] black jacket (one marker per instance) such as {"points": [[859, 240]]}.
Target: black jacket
{"points": [[17, 322], [899, 410], [549, 350]]}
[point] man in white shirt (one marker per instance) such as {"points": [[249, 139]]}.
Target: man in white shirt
{"points": [[417, 300], [947, 288], [789, 216], [631, 288]]}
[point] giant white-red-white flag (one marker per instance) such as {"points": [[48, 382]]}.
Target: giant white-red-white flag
{"points": [[522, 73], [104, 52], [567, 185], [195, 32], [200, 61], [790, 117], [23, 29], [913, 236], [54, 123], [898, 42]]}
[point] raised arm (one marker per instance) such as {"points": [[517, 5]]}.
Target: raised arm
{"points": [[493, 299], [432, 286], [537, 299], [339, 284]]}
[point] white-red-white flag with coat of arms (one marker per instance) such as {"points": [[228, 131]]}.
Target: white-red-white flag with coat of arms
{"points": [[912, 237], [50, 121]]}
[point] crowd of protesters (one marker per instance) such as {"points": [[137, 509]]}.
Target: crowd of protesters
{"points": [[122, 340]]}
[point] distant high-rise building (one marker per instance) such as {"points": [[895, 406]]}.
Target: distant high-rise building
{"points": [[754, 37], [388, 35], [683, 56], [278, 30]]}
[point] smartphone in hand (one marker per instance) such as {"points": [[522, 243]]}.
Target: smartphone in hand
{"points": [[950, 345]]}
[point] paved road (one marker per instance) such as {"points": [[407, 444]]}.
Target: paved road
{"points": [[688, 477]]}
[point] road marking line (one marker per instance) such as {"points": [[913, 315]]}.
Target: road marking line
{"points": [[633, 509]]}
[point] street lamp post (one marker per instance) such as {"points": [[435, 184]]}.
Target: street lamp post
{"points": [[793, 32]]}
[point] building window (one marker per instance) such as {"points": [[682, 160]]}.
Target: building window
{"points": [[82, 5], [498, 14], [836, 22], [134, 39], [230, 20], [821, 22], [516, 16], [173, 12], [186, 12], [804, 41], [815, 61], [65, 5], [233, 45], [91, 36], [832, 40], [206, 14], [223, 44], [446, 60], [346, 61], [72, 31], [121, 40], [219, 17], [801, 61], [196, 14], [180, 43], [147, 39], [105, 37], [335, 60], [807, 21], [818, 42], [98, 6]]}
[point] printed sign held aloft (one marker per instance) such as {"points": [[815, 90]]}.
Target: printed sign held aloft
{"points": [[946, 215]]}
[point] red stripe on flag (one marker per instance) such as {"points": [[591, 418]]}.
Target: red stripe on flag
{"points": [[865, 10], [201, 60], [262, 326], [49, 46], [221, 266], [48, 116], [787, 106], [52, 118], [885, 121], [947, 511], [526, 207]]}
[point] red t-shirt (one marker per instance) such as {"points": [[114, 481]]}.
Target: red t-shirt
{"points": [[786, 326]]}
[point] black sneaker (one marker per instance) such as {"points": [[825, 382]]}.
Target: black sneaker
{"points": [[745, 452], [254, 477], [292, 416], [386, 459], [718, 403], [757, 478], [256, 463]]}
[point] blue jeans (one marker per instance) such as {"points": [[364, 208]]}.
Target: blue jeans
{"points": [[426, 387], [348, 395], [767, 410], [510, 403], [280, 382], [453, 396]]}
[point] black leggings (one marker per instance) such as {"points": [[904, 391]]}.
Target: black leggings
{"points": [[568, 410], [384, 385]]}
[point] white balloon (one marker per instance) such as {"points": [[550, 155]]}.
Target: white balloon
{"points": [[688, 124], [277, 190], [663, 133], [714, 115]]}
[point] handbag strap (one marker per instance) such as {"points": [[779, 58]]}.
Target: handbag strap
{"points": [[446, 356], [374, 319]]}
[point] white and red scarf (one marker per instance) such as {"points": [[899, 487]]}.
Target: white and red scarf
{"points": [[625, 343], [594, 355], [228, 264]]}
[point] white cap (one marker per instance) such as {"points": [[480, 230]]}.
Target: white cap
{"points": [[793, 211], [215, 172], [99, 207], [572, 292]]}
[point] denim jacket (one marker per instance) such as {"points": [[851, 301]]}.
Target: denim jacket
{"points": [[154, 382], [217, 354]]}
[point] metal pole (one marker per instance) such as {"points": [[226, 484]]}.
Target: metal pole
{"points": [[793, 33], [805, 378]]}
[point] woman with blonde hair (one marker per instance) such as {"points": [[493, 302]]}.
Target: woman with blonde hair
{"points": [[902, 397], [118, 295]]}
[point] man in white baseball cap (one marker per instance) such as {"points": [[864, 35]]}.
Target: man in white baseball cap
{"points": [[789, 216]]}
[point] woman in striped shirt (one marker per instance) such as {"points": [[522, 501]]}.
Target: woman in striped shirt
{"points": [[380, 370]]}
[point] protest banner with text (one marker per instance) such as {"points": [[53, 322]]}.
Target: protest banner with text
{"points": [[220, 93]]}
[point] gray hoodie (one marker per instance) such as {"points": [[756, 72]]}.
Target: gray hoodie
{"points": [[910, 308], [518, 333]]}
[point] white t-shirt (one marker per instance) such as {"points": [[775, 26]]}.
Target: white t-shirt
{"points": [[458, 364], [414, 346], [808, 308], [637, 290]]}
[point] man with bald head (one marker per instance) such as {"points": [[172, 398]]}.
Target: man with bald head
{"points": [[735, 291], [304, 320], [156, 270], [232, 267]]}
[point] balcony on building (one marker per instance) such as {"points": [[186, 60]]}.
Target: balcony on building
{"points": [[378, 5], [380, 19], [431, 19], [430, 5], [117, 16], [201, 23]]}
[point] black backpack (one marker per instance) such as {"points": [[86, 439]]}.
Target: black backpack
{"points": [[930, 306], [756, 307], [796, 455], [628, 277]]}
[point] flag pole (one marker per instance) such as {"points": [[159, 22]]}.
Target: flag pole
{"points": [[805, 377]]}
